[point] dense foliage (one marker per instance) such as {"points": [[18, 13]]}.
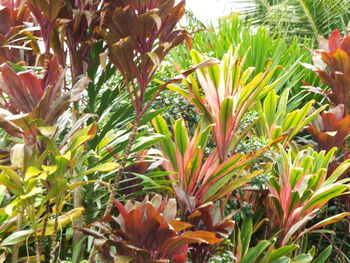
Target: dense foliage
{"points": [[126, 137]]}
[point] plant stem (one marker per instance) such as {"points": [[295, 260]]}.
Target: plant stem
{"points": [[77, 222], [16, 246], [37, 247], [119, 174], [54, 241], [77, 193], [46, 219]]}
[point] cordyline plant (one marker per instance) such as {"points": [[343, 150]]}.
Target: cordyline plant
{"points": [[25, 98], [224, 94], [36, 180], [332, 65], [31, 103], [202, 180], [46, 15], [331, 129], [300, 188], [265, 251], [146, 232], [13, 35], [137, 48], [68, 28], [276, 118]]}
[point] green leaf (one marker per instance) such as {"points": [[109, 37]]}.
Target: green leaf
{"points": [[246, 234], [270, 103], [324, 255], [325, 194], [15, 189], [295, 176], [34, 192], [330, 220], [181, 136], [255, 252], [31, 172], [302, 258], [283, 251], [226, 109], [105, 167], [77, 249], [203, 137], [47, 131], [2, 192], [58, 187], [145, 142], [79, 141], [167, 144], [342, 168], [63, 220], [14, 177], [16, 237], [220, 189]]}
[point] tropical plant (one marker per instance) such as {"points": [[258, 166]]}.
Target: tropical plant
{"points": [[145, 232], [12, 16], [300, 188], [278, 117], [136, 50], [40, 98], [66, 155], [225, 94], [265, 250], [331, 129], [45, 99], [44, 180], [304, 18], [331, 63], [201, 181]]}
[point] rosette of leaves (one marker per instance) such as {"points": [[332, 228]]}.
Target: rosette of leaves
{"points": [[300, 188], [138, 47], [28, 100], [332, 65], [224, 93], [331, 129], [201, 181], [265, 251], [146, 232], [277, 117]]}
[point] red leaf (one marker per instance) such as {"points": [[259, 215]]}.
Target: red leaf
{"points": [[16, 89], [334, 40], [33, 84], [53, 74]]}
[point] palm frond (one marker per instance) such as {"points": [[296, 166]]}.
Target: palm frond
{"points": [[304, 18]]}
